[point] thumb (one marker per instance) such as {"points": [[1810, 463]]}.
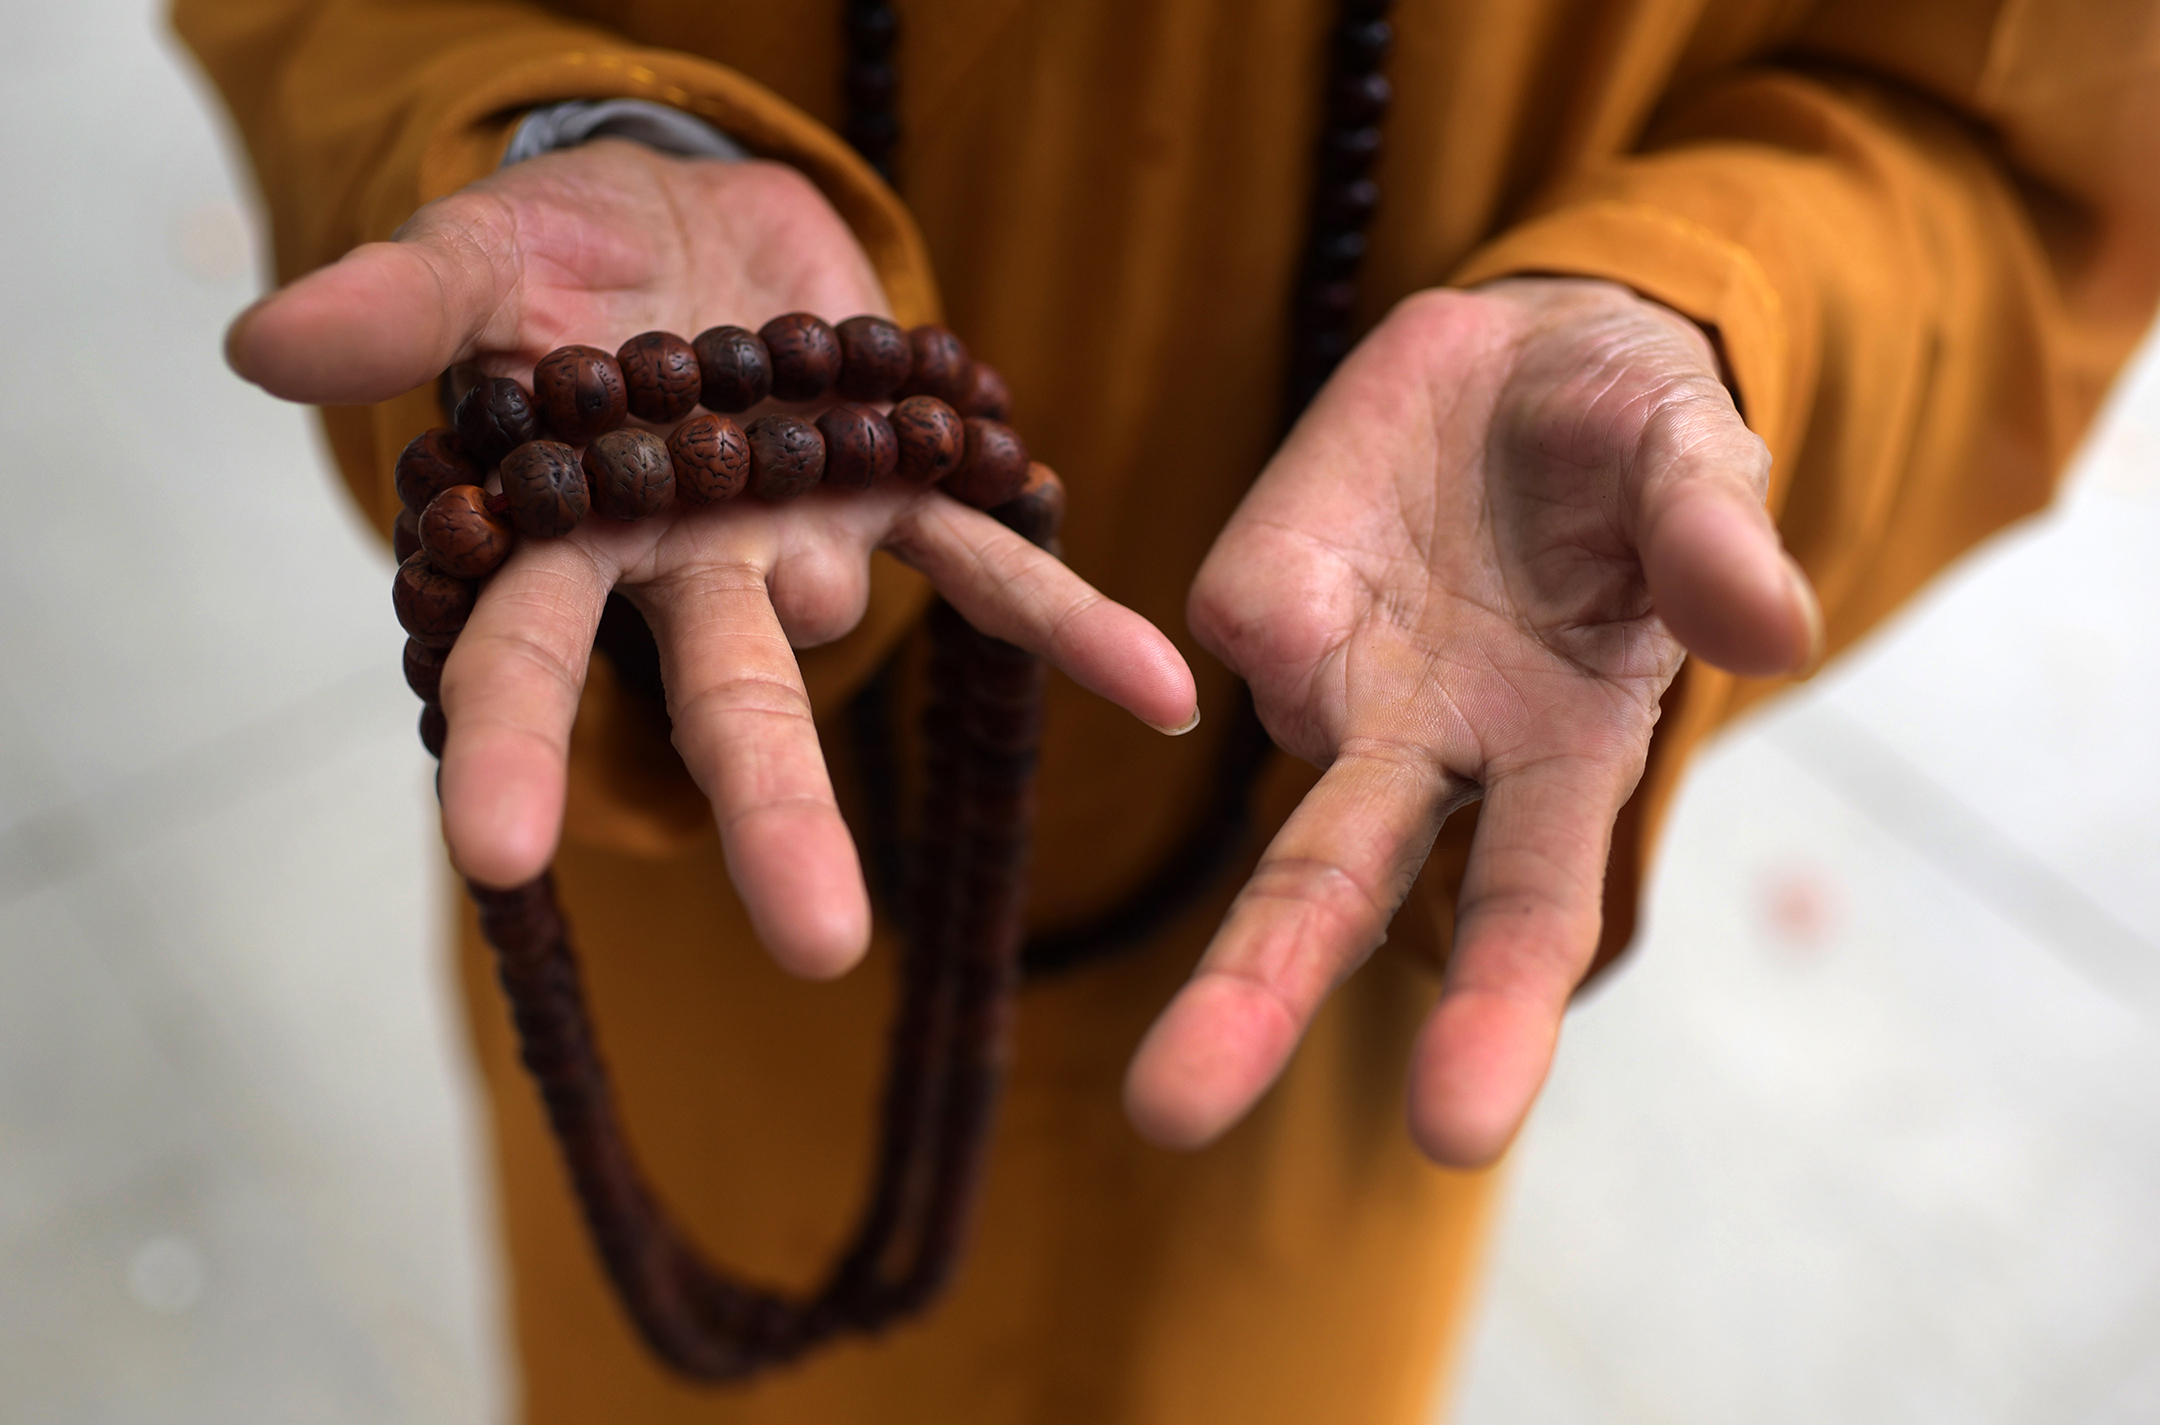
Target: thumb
{"points": [[1718, 575], [388, 316]]}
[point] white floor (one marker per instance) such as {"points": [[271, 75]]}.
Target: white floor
{"points": [[1868, 1133], [238, 1168]]}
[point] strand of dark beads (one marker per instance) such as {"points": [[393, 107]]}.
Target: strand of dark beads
{"points": [[869, 31], [1343, 200], [981, 728]]}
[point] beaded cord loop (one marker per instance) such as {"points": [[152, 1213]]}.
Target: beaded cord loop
{"points": [[981, 728]]}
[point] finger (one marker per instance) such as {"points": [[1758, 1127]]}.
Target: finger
{"points": [[1316, 905], [1718, 575], [1012, 590], [388, 316], [1526, 928], [510, 693], [743, 726]]}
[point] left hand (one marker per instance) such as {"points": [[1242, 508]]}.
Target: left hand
{"points": [[1471, 571]]}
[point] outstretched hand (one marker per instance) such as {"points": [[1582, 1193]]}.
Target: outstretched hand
{"points": [[1471, 571], [595, 245]]}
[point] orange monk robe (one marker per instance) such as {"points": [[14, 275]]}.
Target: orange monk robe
{"points": [[1923, 231]]}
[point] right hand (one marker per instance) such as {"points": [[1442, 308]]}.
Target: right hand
{"points": [[597, 244]]}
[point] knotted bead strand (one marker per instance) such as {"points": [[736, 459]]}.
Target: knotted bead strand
{"points": [[565, 450]]}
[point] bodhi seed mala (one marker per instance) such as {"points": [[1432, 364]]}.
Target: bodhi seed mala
{"points": [[980, 732], [562, 450]]}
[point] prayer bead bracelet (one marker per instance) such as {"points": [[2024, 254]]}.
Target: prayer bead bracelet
{"points": [[980, 731]]}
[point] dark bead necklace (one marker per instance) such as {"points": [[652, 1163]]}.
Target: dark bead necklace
{"points": [[562, 450], [962, 895], [1344, 198]]}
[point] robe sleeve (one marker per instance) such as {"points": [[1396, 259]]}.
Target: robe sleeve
{"points": [[1926, 237]]}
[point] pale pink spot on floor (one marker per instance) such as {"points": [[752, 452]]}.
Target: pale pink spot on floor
{"points": [[1800, 906], [213, 242]]}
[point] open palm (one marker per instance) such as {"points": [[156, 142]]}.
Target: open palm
{"points": [[1470, 572], [595, 245]]}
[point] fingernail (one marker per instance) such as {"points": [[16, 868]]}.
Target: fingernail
{"points": [[1811, 609], [1182, 728], [238, 329], [235, 329]]}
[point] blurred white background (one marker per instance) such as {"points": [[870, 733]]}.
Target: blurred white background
{"points": [[239, 1167], [1869, 1131]]}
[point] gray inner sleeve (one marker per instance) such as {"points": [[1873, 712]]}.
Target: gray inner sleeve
{"points": [[575, 121]]}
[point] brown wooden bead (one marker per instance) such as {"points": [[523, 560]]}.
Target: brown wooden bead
{"points": [[423, 670], [405, 536], [787, 456], [494, 418], [875, 358], [734, 369], [930, 437], [805, 356], [859, 447], [431, 605], [461, 536], [629, 474], [940, 365], [431, 463], [434, 729], [995, 468], [712, 460], [546, 489], [661, 373], [1038, 510], [580, 392], [988, 396]]}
